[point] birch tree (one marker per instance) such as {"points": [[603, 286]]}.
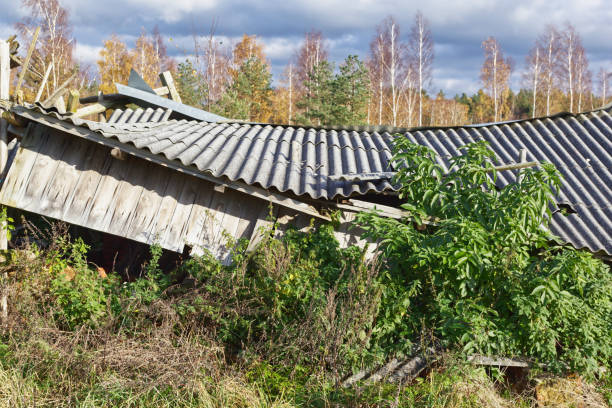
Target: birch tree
{"points": [[584, 79], [603, 79], [376, 65], [312, 52], [145, 60], [310, 57], [533, 75], [573, 65], [550, 50], [495, 74], [421, 48], [55, 44], [214, 60], [114, 64]]}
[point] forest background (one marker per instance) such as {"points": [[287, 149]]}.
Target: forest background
{"points": [[391, 85]]}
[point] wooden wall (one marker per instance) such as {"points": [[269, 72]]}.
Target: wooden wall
{"points": [[77, 181], [57, 175]]}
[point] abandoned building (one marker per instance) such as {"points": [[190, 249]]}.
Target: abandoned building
{"points": [[184, 178]]}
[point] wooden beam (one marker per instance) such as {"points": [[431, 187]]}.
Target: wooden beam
{"points": [[162, 91], [61, 90], [12, 119], [93, 109], [497, 361], [73, 101], [60, 105], [515, 166], [43, 83], [26, 62], [167, 81]]}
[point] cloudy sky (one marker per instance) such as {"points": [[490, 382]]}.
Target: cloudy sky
{"points": [[458, 27]]}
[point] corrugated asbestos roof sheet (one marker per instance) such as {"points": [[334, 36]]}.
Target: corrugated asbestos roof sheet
{"points": [[329, 163], [580, 147]]}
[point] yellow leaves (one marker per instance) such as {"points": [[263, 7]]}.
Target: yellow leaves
{"points": [[115, 64], [246, 49]]}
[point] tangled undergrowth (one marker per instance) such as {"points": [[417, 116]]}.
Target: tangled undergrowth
{"points": [[285, 324]]}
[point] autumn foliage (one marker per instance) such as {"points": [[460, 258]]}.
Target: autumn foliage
{"points": [[388, 86]]}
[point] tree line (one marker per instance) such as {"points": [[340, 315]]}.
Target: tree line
{"points": [[389, 87]]}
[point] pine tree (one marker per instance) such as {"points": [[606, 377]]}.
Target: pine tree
{"points": [[350, 93], [249, 96], [191, 84]]}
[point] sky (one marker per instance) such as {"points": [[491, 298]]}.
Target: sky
{"points": [[458, 28]]}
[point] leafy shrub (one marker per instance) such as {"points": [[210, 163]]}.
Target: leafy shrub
{"points": [[303, 283], [80, 293], [472, 264]]}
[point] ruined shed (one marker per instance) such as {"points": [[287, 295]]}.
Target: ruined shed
{"points": [[151, 175]]}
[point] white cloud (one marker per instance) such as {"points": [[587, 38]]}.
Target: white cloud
{"points": [[87, 54]]}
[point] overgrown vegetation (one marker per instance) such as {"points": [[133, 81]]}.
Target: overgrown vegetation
{"points": [[470, 271], [472, 266]]}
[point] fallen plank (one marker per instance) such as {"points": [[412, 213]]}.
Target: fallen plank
{"points": [[497, 361], [43, 83]]}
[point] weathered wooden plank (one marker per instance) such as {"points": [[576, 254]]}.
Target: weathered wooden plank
{"points": [[42, 171], [19, 173], [265, 222], [94, 166], [161, 91], [73, 101], [166, 211], [249, 216], [41, 88], [218, 217], [126, 198], [59, 189], [97, 107], [167, 81], [103, 201], [26, 62], [200, 213], [178, 223], [143, 225]]}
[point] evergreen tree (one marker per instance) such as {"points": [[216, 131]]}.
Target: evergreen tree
{"points": [[350, 92], [336, 99], [248, 97], [191, 84], [317, 101]]}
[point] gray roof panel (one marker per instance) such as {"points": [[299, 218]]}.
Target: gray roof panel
{"points": [[327, 164]]}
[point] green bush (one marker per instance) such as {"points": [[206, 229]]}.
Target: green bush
{"points": [[303, 283], [80, 293], [472, 266]]}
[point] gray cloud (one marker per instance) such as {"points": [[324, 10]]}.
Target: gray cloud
{"points": [[458, 27]]}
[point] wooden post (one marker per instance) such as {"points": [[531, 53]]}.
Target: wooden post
{"points": [[5, 74], [101, 115], [522, 160], [73, 101], [168, 82], [26, 62]]}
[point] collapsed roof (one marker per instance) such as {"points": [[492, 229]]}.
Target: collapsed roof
{"points": [[333, 164]]}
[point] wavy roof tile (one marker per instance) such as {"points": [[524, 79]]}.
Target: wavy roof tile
{"points": [[326, 164]]}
